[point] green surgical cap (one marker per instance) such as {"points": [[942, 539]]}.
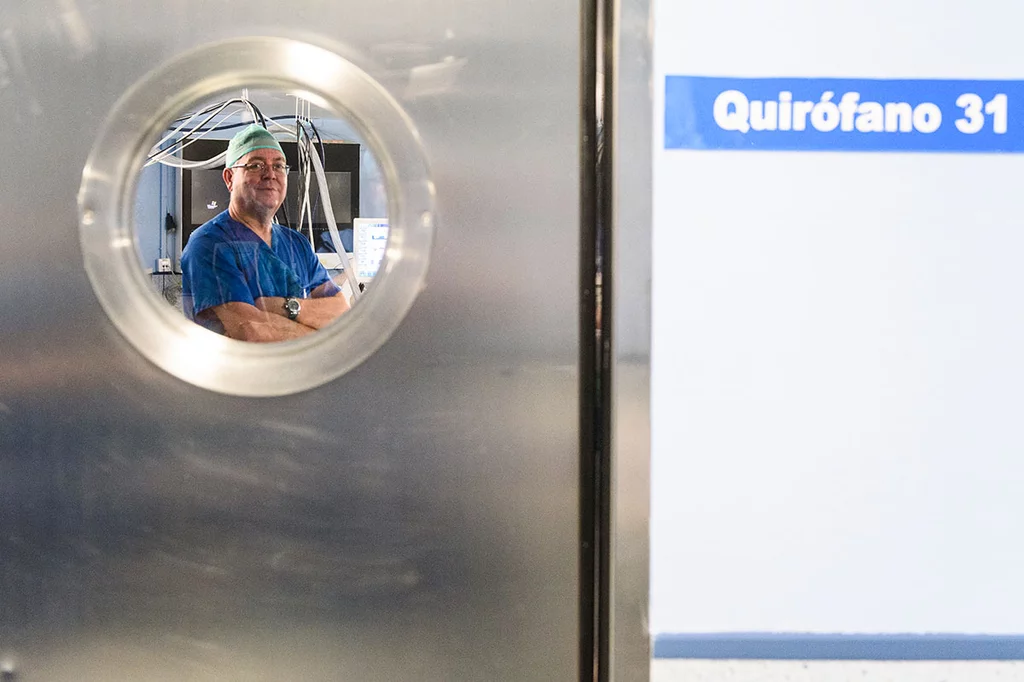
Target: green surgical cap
{"points": [[250, 139]]}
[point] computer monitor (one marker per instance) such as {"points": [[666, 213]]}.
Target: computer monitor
{"points": [[369, 243], [204, 195]]}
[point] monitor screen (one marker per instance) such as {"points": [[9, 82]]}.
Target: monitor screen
{"points": [[204, 194], [339, 187], [369, 244], [209, 195]]}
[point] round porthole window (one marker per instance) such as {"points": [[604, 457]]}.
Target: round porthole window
{"points": [[252, 208]]}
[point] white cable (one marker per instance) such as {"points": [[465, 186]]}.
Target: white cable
{"points": [[191, 140], [303, 176], [174, 132], [155, 151], [332, 225], [219, 107], [175, 162], [304, 208], [307, 204], [307, 210], [281, 126]]}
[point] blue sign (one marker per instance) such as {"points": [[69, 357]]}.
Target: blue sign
{"points": [[844, 114]]}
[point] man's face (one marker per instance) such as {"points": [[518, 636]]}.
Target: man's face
{"points": [[258, 192]]}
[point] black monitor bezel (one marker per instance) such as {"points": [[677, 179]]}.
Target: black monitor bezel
{"points": [[338, 157]]}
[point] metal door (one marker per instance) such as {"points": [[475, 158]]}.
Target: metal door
{"points": [[422, 516]]}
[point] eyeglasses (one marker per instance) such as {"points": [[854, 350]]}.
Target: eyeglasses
{"points": [[259, 167]]}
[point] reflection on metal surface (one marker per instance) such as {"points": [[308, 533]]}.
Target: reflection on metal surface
{"points": [[13, 59], [434, 79], [189, 532], [76, 31], [5, 71], [415, 519]]}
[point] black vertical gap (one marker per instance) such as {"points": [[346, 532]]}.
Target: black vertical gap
{"points": [[589, 348], [605, 222], [598, 32]]}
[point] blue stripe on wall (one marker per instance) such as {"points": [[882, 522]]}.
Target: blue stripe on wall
{"points": [[792, 646]]}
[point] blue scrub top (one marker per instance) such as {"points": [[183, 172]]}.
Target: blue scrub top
{"points": [[225, 261]]}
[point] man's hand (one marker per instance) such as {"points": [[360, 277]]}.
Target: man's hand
{"points": [[317, 312], [273, 304], [248, 323]]}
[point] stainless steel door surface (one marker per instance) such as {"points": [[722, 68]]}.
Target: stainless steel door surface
{"points": [[416, 518]]}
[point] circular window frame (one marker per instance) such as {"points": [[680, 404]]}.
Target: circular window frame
{"points": [[178, 345]]}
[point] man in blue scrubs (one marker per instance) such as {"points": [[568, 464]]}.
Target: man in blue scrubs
{"points": [[244, 276]]}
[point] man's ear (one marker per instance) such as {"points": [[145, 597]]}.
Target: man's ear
{"points": [[228, 178]]}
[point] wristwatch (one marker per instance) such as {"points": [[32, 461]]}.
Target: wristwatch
{"points": [[292, 307]]}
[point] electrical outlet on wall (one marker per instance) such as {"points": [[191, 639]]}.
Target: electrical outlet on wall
{"points": [[163, 264]]}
